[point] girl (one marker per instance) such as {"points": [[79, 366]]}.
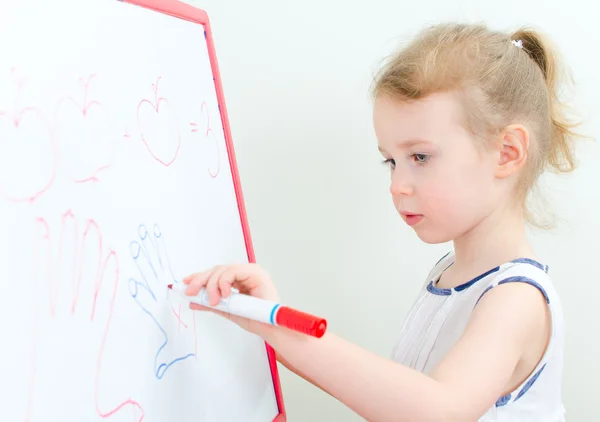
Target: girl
{"points": [[466, 119]]}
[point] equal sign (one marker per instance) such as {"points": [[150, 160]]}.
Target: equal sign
{"points": [[194, 127]]}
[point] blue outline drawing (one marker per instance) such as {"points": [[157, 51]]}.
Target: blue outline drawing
{"points": [[147, 268]]}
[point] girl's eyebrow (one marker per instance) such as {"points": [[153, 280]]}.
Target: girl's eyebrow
{"points": [[410, 143]]}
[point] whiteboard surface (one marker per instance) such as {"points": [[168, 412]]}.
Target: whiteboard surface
{"points": [[114, 182]]}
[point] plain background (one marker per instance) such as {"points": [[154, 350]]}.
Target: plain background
{"points": [[296, 77]]}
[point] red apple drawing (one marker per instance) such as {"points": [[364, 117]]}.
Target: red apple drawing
{"points": [[158, 128], [27, 152], [86, 141]]}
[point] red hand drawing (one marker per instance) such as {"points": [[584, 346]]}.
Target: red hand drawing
{"points": [[158, 128], [27, 151], [76, 286], [210, 144], [86, 143]]}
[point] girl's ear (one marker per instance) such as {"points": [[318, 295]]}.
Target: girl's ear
{"points": [[513, 148]]}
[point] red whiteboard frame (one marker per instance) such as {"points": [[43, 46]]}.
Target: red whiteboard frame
{"points": [[190, 13]]}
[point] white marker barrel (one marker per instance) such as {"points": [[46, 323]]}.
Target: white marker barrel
{"points": [[237, 304]]}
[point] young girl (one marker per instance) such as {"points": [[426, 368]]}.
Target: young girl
{"points": [[467, 119]]}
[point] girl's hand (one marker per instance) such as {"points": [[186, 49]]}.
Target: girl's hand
{"points": [[250, 279]]}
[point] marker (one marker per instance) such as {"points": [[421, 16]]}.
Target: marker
{"points": [[260, 310]]}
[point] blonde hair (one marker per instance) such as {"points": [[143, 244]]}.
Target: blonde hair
{"points": [[498, 81]]}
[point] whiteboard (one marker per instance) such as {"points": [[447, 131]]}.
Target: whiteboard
{"points": [[115, 180]]}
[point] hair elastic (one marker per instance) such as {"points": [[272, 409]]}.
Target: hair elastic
{"points": [[517, 43]]}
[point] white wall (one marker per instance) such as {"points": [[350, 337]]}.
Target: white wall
{"points": [[296, 78]]}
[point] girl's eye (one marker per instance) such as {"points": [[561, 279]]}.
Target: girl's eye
{"points": [[390, 162], [421, 158]]}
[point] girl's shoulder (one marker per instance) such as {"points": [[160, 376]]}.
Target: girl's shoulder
{"points": [[520, 270]]}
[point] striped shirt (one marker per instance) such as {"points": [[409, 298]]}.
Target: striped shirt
{"points": [[439, 317]]}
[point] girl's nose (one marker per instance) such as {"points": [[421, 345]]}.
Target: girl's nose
{"points": [[400, 184]]}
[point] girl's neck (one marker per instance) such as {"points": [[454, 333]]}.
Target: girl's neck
{"points": [[499, 238]]}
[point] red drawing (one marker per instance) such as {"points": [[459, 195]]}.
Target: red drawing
{"points": [[86, 142], [27, 151], [76, 286], [179, 320], [158, 128], [214, 157]]}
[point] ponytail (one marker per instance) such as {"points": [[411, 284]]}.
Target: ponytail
{"points": [[559, 156]]}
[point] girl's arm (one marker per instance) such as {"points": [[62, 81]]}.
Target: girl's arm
{"points": [[295, 370], [476, 372], [509, 323]]}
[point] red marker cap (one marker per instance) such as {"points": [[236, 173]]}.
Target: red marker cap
{"points": [[301, 321]]}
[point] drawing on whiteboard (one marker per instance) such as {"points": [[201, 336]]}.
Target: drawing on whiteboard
{"points": [[76, 280], [210, 144], [84, 135], [158, 127], [149, 291], [27, 150]]}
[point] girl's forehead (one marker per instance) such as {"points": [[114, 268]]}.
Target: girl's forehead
{"points": [[442, 105], [431, 119]]}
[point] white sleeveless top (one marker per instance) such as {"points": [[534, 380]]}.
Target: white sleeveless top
{"points": [[438, 319]]}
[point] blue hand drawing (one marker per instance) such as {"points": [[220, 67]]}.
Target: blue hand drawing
{"points": [[154, 267]]}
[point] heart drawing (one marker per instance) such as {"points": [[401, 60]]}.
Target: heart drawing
{"points": [[158, 128], [86, 141], [28, 153]]}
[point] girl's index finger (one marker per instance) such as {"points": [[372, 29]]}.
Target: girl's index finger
{"points": [[196, 282], [188, 278]]}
